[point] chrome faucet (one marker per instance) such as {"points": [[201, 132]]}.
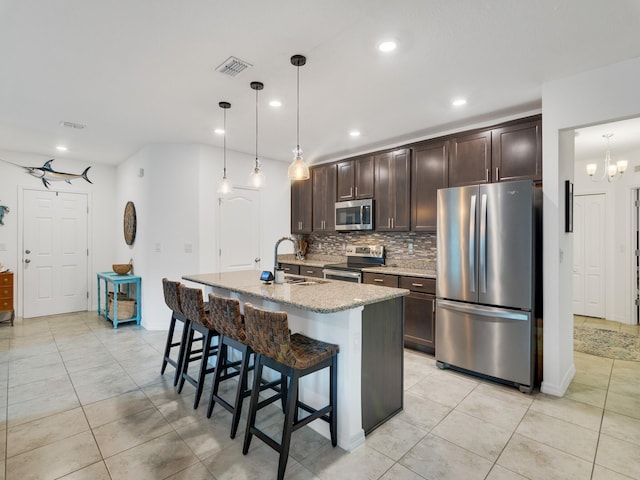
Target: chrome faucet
{"points": [[275, 251]]}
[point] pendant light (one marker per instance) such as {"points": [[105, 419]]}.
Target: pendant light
{"points": [[612, 171], [298, 170], [225, 185], [257, 177]]}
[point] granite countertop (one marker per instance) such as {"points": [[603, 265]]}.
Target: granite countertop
{"points": [[390, 269], [327, 297]]}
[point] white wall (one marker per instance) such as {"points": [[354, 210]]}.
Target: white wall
{"points": [[618, 230], [102, 212], [597, 96], [177, 207]]}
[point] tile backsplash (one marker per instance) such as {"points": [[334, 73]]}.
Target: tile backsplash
{"points": [[396, 246]]}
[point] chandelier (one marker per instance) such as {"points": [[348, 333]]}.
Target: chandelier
{"points": [[612, 171]]}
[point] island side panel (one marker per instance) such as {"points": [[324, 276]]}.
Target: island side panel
{"points": [[382, 362]]}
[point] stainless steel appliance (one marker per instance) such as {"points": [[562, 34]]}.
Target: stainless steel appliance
{"points": [[358, 257], [354, 215], [485, 284]]}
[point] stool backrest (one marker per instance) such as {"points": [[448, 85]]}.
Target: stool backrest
{"points": [[172, 295], [193, 306], [226, 318], [268, 333]]}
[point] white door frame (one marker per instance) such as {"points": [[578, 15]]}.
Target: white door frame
{"points": [[20, 253], [634, 225]]}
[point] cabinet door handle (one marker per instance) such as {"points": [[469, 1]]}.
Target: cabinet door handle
{"points": [[433, 307], [417, 285], [392, 222], [486, 175], [497, 173], [379, 280], [388, 222], [356, 191], [310, 272], [351, 191]]}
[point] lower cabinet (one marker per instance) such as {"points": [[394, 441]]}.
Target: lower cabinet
{"points": [[290, 268], [419, 308], [311, 271]]}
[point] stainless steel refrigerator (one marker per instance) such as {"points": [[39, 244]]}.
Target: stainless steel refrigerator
{"points": [[485, 284]]}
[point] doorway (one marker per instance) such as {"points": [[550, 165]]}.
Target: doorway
{"points": [[54, 252], [239, 230], [635, 214]]}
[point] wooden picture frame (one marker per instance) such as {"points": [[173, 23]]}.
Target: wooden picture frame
{"points": [[568, 206]]}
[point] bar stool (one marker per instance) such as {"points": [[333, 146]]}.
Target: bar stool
{"points": [[228, 321], [172, 299], [294, 356], [193, 309]]}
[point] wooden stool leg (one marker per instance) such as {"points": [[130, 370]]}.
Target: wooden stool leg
{"points": [[240, 392], [333, 395], [185, 358], [251, 420], [183, 344], [290, 415], [206, 349], [221, 361], [167, 347]]}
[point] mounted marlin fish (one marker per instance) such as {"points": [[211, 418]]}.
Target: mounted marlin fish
{"points": [[48, 174]]}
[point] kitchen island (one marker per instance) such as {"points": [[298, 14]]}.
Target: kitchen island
{"points": [[364, 320]]}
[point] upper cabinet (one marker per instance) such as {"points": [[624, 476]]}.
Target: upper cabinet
{"points": [[517, 152], [355, 179], [392, 187], [301, 206], [324, 198], [470, 160], [429, 172]]}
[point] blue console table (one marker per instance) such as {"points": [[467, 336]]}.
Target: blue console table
{"points": [[116, 280]]}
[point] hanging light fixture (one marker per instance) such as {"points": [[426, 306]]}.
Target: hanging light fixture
{"points": [[298, 170], [612, 171], [257, 177], [225, 185]]}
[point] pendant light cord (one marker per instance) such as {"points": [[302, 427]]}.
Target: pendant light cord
{"points": [[256, 128], [298, 112], [224, 146]]}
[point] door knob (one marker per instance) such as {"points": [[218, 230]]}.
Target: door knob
{"points": [[256, 259], [27, 261], [27, 252]]}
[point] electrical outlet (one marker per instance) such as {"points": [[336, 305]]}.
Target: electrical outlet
{"points": [[158, 248], [188, 248], [410, 248]]}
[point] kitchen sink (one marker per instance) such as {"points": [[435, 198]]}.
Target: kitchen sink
{"points": [[303, 280]]}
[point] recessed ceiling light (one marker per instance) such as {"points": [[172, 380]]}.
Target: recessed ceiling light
{"points": [[458, 102], [354, 133], [275, 103], [387, 46], [219, 131], [61, 148]]}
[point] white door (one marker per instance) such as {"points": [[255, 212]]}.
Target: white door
{"points": [[239, 230], [588, 255], [54, 253]]}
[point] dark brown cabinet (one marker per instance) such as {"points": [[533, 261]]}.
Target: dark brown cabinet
{"points": [[470, 159], [382, 279], [301, 206], [392, 187], [355, 179], [517, 152], [429, 172], [324, 198], [419, 313], [311, 271], [290, 268]]}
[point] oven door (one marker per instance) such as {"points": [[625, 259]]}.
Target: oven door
{"points": [[344, 275]]}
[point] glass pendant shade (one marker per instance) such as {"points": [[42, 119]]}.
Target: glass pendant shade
{"points": [[224, 186], [592, 168], [257, 178], [612, 171], [298, 170]]}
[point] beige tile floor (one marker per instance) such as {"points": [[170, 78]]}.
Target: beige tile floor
{"points": [[83, 401]]}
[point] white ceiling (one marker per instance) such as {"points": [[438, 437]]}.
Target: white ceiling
{"points": [[143, 71]]}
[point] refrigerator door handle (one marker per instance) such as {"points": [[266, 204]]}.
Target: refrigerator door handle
{"points": [[482, 260], [472, 242], [483, 311]]}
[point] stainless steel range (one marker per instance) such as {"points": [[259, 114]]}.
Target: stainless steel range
{"points": [[358, 257]]}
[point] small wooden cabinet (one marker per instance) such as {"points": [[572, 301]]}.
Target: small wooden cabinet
{"points": [[382, 279], [470, 159], [301, 206], [324, 198], [429, 172], [392, 186], [7, 312], [517, 152], [355, 179], [420, 313], [307, 271]]}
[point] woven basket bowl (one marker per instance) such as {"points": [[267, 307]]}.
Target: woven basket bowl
{"points": [[121, 268]]}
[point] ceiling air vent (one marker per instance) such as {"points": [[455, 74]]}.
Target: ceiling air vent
{"points": [[77, 126], [232, 66]]}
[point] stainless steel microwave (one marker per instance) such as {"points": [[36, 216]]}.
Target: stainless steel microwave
{"points": [[354, 215]]}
